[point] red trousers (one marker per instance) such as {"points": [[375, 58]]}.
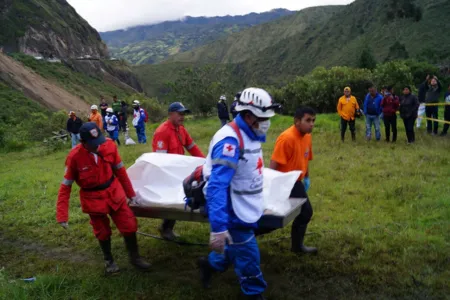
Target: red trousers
{"points": [[124, 219]]}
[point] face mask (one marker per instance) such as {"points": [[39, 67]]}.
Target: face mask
{"points": [[262, 129]]}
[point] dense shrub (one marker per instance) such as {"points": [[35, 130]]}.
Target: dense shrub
{"points": [[394, 73]]}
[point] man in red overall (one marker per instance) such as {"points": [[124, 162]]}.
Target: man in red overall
{"points": [[172, 137], [95, 165]]}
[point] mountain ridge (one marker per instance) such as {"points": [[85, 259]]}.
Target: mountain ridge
{"points": [[153, 43], [374, 24]]}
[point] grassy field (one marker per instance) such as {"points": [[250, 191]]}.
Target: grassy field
{"points": [[381, 224]]}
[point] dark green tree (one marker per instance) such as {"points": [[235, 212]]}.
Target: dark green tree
{"points": [[367, 59]]}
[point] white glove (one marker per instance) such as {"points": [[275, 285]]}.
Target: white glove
{"points": [[217, 241], [64, 225], [132, 201]]}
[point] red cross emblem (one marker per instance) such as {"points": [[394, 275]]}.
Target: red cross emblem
{"points": [[260, 165], [230, 148]]}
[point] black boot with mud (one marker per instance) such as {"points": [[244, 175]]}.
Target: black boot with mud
{"points": [[135, 259], [110, 266]]}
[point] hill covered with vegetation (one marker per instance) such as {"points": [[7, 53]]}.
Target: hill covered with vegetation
{"points": [[150, 44], [386, 29]]}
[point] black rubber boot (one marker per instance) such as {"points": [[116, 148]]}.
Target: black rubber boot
{"points": [[135, 259], [353, 136], [342, 136], [297, 237], [206, 271], [110, 266]]}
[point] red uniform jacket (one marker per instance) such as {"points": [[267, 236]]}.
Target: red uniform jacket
{"points": [[171, 139], [89, 171]]}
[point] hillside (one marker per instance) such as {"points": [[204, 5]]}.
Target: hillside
{"points": [[338, 40], [50, 28], [154, 43]]}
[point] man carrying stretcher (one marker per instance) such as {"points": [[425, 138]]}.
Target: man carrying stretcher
{"points": [[234, 192]]}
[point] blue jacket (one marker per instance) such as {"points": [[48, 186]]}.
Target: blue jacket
{"points": [[220, 210], [114, 122], [141, 117], [369, 101]]}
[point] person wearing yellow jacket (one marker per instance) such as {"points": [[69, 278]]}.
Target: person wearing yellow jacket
{"points": [[348, 108]]}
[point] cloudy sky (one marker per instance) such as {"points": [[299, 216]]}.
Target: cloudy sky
{"points": [[107, 15]]}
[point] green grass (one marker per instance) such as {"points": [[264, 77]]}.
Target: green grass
{"points": [[381, 223]]}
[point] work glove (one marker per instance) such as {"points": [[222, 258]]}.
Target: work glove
{"points": [[306, 183], [217, 241], [64, 225], [132, 201]]}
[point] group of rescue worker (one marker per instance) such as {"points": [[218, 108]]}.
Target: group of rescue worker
{"points": [[234, 190]]}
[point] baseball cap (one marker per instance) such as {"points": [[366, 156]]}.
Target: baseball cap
{"points": [[178, 107], [347, 89], [91, 134]]}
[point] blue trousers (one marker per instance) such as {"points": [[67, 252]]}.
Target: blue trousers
{"points": [[75, 139], [375, 120], [114, 135], [140, 131], [244, 255]]}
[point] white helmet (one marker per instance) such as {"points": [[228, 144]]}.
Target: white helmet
{"points": [[136, 103], [223, 97], [258, 101], [109, 110], [94, 107]]}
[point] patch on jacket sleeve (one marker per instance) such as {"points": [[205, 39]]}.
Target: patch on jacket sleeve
{"points": [[229, 150]]}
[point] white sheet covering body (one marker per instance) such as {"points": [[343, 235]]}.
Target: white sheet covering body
{"points": [[157, 179]]}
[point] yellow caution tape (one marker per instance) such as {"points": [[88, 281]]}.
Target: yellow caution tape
{"points": [[436, 104], [436, 120]]}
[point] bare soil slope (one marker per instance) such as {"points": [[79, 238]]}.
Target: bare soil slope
{"points": [[38, 88]]}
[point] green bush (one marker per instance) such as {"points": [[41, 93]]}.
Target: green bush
{"points": [[393, 73], [322, 88]]}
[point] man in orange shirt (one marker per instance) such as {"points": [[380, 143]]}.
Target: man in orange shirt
{"points": [[96, 117], [172, 137], [293, 151], [347, 108]]}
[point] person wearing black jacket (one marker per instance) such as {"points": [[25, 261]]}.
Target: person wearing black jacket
{"points": [[123, 116], [409, 105], [234, 113], [73, 127], [222, 111], [433, 92]]}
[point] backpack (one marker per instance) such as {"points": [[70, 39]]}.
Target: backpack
{"points": [[146, 116], [193, 184]]}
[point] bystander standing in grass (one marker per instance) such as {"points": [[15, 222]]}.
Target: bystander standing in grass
{"points": [[73, 127], [432, 97], [372, 111], [409, 105], [390, 105], [222, 111], [347, 109]]}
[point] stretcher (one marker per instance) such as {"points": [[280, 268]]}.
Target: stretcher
{"points": [[179, 213], [157, 180]]}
